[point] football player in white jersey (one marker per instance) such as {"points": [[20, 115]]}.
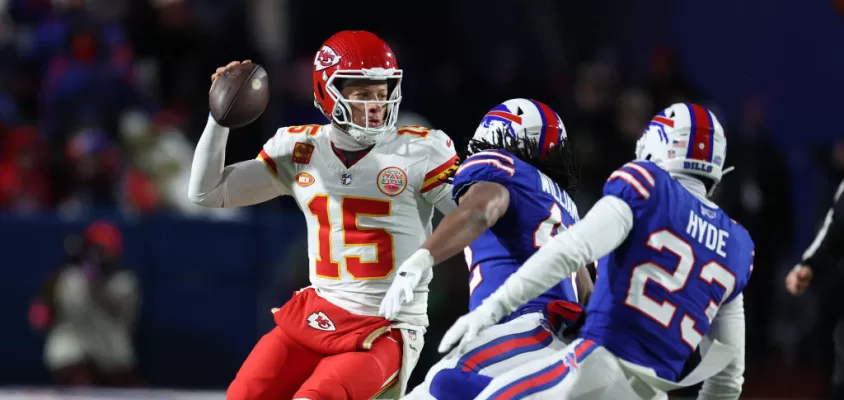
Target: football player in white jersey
{"points": [[368, 191]]}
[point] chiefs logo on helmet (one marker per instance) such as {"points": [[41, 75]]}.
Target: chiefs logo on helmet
{"points": [[326, 58], [320, 321]]}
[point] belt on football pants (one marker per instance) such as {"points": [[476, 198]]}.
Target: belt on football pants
{"points": [[564, 317]]}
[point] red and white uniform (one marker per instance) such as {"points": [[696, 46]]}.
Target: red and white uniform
{"points": [[363, 221]]}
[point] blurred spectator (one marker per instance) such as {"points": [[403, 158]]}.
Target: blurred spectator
{"points": [[667, 83], [24, 182], [91, 165], [88, 309], [633, 115], [589, 117], [756, 195], [161, 156], [88, 86]]}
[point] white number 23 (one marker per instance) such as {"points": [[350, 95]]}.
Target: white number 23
{"points": [[663, 312]]}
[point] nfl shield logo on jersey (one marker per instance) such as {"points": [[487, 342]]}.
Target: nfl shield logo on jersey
{"points": [[392, 181], [320, 321]]}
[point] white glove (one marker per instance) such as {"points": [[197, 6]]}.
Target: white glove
{"points": [[467, 327], [407, 278]]}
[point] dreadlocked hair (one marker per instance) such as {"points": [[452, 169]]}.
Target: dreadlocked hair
{"points": [[559, 163]]}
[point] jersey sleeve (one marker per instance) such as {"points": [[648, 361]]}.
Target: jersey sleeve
{"points": [[634, 183], [441, 164], [485, 166], [744, 269], [289, 146]]}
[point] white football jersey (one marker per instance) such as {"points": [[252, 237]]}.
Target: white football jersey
{"points": [[365, 220]]}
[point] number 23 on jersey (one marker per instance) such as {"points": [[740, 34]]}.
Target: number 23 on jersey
{"points": [[353, 235], [663, 312]]}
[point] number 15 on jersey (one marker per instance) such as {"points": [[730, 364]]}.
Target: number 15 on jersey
{"points": [[353, 235]]}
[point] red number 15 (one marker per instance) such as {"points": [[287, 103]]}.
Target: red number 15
{"points": [[353, 235]]}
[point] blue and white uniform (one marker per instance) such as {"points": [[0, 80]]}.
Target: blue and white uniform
{"points": [[538, 209], [670, 275]]}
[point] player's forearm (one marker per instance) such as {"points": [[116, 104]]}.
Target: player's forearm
{"points": [[455, 232], [480, 208], [208, 164], [603, 229], [728, 327], [212, 184]]}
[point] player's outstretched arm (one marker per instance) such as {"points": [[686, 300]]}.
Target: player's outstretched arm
{"points": [[480, 208], [214, 185], [728, 328], [603, 229]]}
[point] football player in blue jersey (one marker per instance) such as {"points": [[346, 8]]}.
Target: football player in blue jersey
{"points": [[671, 270], [512, 196]]}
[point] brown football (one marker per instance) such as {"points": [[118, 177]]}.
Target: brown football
{"points": [[239, 96]]}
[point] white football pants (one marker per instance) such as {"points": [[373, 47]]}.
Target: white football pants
{"points": [[584, 370], [497, 350]]}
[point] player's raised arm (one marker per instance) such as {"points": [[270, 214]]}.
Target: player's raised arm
{"points": [[212, 184]]}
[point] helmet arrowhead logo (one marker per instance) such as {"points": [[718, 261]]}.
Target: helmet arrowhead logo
{"points": [[326, 58]]}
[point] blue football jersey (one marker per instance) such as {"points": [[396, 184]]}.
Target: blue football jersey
{"points": [[657, 293], [538, 209]]}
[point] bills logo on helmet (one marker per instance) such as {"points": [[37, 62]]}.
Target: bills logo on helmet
{"points": [[697, 166], [326, 58], [502, 117], [392, 181], [320, 321], [660, 130]]}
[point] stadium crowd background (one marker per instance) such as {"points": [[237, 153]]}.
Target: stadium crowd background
{"points": [[101, 102]]}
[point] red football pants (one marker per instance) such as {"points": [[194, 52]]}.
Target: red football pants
{"points": [[281, 367]]}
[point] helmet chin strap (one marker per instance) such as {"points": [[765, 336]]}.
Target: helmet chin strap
{"points": [[343, 140], [712, 189]]}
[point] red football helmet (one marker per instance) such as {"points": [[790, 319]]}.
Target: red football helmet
{"points": [[356, 55]]}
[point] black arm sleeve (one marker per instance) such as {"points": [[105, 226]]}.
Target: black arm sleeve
{"points": [[828, 247]]}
